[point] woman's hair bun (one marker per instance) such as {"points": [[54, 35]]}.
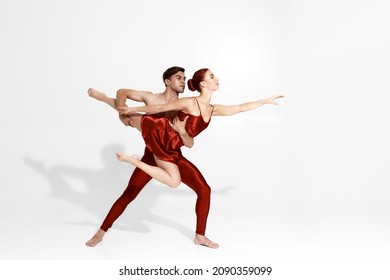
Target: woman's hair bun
{"points": [[190, 85]]}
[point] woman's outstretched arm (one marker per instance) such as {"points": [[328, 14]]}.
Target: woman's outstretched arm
{"points": [[222, 110]]}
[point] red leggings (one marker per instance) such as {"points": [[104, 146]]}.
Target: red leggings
{"points": [[190, 175]]}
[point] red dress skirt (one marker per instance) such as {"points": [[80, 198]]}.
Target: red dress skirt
{"points": [[163, 140]]}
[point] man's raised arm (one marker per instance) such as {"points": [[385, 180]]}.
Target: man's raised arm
{"points": [[123, 94]]}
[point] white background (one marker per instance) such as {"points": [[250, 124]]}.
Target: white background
{"points": [[303, 186]]}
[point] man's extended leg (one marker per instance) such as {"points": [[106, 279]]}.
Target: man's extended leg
{"points": [[191, 176], [137, 182]]}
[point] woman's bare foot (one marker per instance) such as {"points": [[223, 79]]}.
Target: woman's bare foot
{"points": [[96, 94], [96, 238], [133, 159], [204, 241]]}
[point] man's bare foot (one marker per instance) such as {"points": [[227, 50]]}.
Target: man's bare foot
{"points": [[96, 94], [96, 238], [204, 241], [133, 159]]}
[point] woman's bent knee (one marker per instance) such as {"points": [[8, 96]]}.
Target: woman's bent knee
{"points": [[175, 183]]}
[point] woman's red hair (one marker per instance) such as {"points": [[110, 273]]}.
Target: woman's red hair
{"points": [[194, 83]]}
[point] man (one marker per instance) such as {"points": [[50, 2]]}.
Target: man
{"points": [[174, 79]]}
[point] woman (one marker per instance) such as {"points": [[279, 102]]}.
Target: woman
{"points": [[157, 132]]}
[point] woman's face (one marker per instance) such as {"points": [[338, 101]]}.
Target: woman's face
{"points": [[210, 81]]}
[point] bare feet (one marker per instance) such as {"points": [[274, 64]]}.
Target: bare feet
{"points": [[204, 241], [96, 94], [133, 159], [96, 238]]}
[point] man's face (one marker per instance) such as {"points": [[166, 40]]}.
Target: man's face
{"points": [[177, 82]]}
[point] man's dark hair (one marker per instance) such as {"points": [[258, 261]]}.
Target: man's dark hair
{"points": [[172, 71]]}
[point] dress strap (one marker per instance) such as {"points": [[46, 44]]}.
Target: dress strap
{"points": [[197, 102]]}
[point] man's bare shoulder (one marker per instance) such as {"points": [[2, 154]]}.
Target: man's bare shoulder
{"points": [[154, 98]]}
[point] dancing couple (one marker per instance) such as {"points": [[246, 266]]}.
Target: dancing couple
{"points": [[167, 123]]}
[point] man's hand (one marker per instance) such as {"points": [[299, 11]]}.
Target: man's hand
{"points": [[178, 125], [127, 110]]}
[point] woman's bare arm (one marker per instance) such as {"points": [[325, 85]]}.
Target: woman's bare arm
{"points": [[222, 110]]}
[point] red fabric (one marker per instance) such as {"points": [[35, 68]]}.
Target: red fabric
{"points": [[190, 176], [163, 140]]}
